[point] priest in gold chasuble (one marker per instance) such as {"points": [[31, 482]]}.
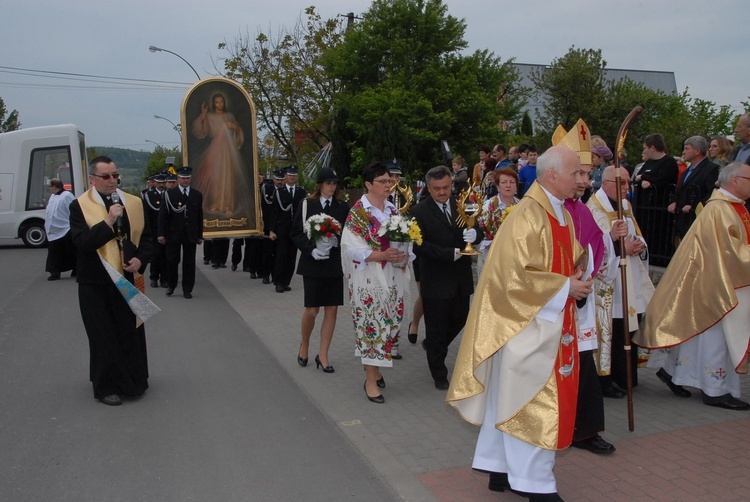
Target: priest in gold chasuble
{"points": [[516, 374], [699, 315]]}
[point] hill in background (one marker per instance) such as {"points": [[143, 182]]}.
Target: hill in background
{"points": [[130, 163]]}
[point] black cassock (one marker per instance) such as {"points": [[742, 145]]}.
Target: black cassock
{"points": [[118, 359]]}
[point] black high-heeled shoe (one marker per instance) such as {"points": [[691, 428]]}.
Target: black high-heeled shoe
{"points": [[377, 399], [302, 361], [381, 382], [413, 336], [318, 364]]}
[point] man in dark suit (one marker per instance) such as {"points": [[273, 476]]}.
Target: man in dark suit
{"points": [[446, 277], [152, 198], [695, 186], [181, 229], [268, 208], [288, 198], [118, 363]]}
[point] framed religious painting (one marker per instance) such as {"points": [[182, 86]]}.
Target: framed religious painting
{"points": [[219, 142]]}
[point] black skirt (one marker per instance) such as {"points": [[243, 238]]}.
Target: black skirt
{"points": [[323, 291]]}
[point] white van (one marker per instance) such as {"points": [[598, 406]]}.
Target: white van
{"points": [[29, 159]]}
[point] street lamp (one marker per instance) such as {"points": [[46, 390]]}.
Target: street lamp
{"points": [[154, 142], [176, 127], [158, 49]]}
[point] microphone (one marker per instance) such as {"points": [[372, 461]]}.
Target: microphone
{"points": [[116, 200]]}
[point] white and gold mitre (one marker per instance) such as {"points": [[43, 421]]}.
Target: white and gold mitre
{"points": [[577, 139]]}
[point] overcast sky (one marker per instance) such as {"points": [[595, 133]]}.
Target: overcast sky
{"points": [[699, 41]]}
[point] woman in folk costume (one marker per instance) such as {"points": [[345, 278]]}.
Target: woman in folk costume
{"points": [[378, 278]]}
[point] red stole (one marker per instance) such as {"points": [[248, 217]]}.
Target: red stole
{"points": [[744, 216], [566, 364]]}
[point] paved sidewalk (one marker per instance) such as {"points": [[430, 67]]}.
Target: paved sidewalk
{"points": [[680, 449]]}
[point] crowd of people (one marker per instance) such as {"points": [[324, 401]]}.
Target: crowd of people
{"points": [[563, 244]]}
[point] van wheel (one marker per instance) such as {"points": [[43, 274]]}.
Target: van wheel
{"points": [[33, 235]]}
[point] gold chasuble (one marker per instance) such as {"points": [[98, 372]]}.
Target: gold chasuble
{"points": [[700, 285], [95, 212], [527, 265]]}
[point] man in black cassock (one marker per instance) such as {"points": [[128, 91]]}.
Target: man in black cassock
{"points": [[117, 341]]}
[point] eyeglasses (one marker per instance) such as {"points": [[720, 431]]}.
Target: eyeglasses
{"points": [[743, 177], [105, 177], [385, 181], [622, 182]]}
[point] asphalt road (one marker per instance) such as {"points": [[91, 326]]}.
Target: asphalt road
{"points": [[220, 422]]}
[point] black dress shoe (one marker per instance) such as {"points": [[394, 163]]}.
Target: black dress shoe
{"points": [[499, 482], [234, 267], [222, 265], [678, 390], [170, 291], [206, 262], [187, 294], [377, 399], [287, 288], [266, 280], [424, 344], [154, 284], [381, 382], [730, 404], [112, 400], [279, 289], [302, 361], [326, 369], [442, 384], [595, 444], [214, 265], [397, 357], [54, 277], [253, 275], [613, 392], [164, 284]]}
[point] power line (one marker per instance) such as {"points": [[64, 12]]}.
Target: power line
{"points": [[51, 73]]}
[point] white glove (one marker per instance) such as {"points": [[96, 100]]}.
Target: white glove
{"points": [[319, 255], [470, 235], [326, 243]]}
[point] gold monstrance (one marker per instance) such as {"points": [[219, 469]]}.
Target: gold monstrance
{"points": [[468, 221], [402, 194]]}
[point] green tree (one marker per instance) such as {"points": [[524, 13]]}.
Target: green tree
{"points": [[526, 128], [573, 86], [406, 86], [157, 161], [11, 122], [283, 74]]}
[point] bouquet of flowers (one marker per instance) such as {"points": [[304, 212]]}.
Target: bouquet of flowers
{"points": [[321, 225], [322, 230], [491, 219], [399, 228]]}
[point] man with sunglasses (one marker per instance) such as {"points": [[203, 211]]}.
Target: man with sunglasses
{"points": [[611, 361], [110, 231]]}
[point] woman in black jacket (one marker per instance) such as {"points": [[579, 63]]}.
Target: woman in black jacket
{"points": [[321, 272]]}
